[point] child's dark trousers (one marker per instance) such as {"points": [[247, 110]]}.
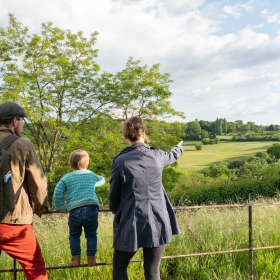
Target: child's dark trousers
{"points": [[86, 217]]}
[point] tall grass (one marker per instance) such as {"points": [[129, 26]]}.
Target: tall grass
{"points": [[203, 230]]}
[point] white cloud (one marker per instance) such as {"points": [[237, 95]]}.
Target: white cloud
{"points": [[236, 10], [270, 16], [215, 73]]}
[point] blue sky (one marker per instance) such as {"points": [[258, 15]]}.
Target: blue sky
{"points": [[223, 56]]}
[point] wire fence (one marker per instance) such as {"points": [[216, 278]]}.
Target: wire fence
{"points": [[15, 270]]}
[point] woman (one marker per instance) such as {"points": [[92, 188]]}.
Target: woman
{"points": [[143, 214]]}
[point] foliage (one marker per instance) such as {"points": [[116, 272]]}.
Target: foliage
{"points": [[238, 123], [207, 141], [245, 128], [236, 164], [193, 130], [219, 126], [274, 150], [231, 127], [71, 104], [234, 192], [198, 147], [204, 134], [225, 126], [252, 167], [215, 171], [143, 92], [55, 77]]}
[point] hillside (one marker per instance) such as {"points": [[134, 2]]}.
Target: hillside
{"points": [[193, 160]]}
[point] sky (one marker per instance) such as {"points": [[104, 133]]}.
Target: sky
{"points": [[223, 56]]}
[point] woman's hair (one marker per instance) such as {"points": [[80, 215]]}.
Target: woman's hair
{"points": [[79, 159], [132, 128]]}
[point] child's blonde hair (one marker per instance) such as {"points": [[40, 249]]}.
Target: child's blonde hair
{"points": [[79, 159]]}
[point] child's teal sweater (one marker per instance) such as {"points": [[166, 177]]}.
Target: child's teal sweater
{"points": [[78, 187]]}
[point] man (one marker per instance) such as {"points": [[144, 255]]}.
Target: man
{"points": [[17, 237]]}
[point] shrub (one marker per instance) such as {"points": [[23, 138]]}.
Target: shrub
{"points": [[207, 141], [233, 192], [236, 164], [263, 155], [198, 147], [234, 138], [274, 150], [204, 134], [252, 167], [215, 171]]}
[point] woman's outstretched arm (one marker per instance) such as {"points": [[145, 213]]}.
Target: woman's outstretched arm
{"points": [[172, 155]]}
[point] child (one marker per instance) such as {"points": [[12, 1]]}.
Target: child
{"points": [[82, 203]]}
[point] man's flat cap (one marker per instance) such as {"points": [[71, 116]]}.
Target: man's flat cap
{"points": [[10, 110]]}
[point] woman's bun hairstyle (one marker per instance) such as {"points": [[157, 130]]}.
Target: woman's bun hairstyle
{"points": [[132, 128]]}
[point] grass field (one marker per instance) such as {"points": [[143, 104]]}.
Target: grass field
{"points": [[224, 152], [203, 230]]}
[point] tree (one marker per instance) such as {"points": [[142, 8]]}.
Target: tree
{"points": [[55, 77], [271, 128], [225, 126], [194, 129], [143, 92], [204, 134], [274, 150], [231, 127], [219, 129], [252, 125], [238, 123], [245, 128]]}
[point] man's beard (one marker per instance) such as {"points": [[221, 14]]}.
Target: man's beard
{"points": [[17, 133]]}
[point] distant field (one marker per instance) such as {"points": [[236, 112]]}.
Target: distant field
{"points": [[193, 160]]}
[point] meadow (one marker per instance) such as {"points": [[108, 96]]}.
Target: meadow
{"points": [[224, 152], [203, 230]]}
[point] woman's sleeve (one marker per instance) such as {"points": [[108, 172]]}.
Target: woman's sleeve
{"points": [[115, 188], [170, 156]]}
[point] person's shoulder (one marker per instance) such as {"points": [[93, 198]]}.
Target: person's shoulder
{"points": [[123, 153], [23, 143]]}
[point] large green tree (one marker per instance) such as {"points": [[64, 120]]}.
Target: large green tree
{"points": [[143, 92], [54, 76], [71, 104]]}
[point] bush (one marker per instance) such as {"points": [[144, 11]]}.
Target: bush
{"points": [[263, 155], [198, 147], [274, 150], [215, 171], [236, 164], [234, 138], [234, 192], [207, 141], [204, 134]]}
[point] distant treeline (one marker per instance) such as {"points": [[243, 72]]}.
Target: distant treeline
{"points": [[197, 130]]}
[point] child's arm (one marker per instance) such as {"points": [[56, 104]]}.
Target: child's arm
{"points": [[100, 181], [58, 196]]}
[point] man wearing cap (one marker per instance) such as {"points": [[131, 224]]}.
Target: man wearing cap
{"points": [[17, 237]]}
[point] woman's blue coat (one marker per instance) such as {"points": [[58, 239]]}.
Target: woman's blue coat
{"points": [[143, 214]]}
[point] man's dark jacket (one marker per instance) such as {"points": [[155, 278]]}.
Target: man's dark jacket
{"points": [[143, 214]]}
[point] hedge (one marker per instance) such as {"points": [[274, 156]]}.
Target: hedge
{"points": [[232, 192]]}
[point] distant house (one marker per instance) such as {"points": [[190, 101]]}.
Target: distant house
{"points": [[238, 129]]}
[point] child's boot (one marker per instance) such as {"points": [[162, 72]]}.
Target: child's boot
{"points": [[76, 261], [91, 260]]}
